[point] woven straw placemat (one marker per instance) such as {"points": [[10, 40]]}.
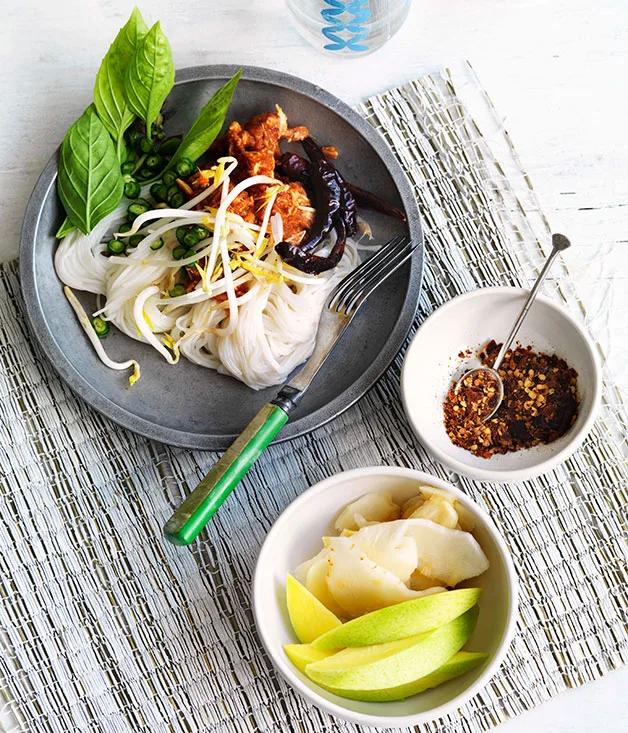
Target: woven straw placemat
{"points": [[105, 627]]}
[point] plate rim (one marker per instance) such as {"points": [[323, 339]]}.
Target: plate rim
{"points": [[205, 441]]}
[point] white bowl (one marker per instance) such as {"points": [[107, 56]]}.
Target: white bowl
{"points": [[296, 536], [469, 322]]}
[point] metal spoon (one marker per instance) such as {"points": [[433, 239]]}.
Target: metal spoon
{"points": [[559, 244]]}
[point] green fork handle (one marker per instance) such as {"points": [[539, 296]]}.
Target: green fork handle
{"points": [[189, 519]]}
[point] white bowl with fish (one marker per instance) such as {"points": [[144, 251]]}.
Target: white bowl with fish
{"points": [[384, 542]]}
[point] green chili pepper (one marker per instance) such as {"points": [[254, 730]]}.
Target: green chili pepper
{"points": [[178, 289], [135, 239], [116, 246], [169, 178], [174, 188], [132, 189], [181, 232], [125, 227], [184, 167], [154, 161], [190, 253], [190, 239], [146, 145], [157, 244], [200, 231], [140, 206], [100, 326], [144, 174], [128, 167], [176, 200], [159, 192], [179, 252]]}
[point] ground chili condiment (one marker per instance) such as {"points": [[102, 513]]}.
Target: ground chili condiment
{"points": [[540, 403]]}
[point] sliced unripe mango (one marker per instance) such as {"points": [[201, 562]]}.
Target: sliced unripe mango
{"points": [[383, 666], [459, 664], [401, 620], [309, 618], [303, 654]]}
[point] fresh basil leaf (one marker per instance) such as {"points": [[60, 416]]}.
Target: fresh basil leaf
{"points": [[208, 124], [150, 76], [129, 36], [109, 90], [65, 228], [90, 183]]}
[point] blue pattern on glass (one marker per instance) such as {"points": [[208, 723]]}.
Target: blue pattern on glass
{"points": [[360, 13]]}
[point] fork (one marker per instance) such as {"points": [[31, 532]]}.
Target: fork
{"points": [[342, 304]]}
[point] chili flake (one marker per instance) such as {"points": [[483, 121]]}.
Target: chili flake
{"points": [[540, 403]]}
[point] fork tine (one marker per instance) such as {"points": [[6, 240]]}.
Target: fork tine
{"points": [[364, 267], [353, 278], [383, 274], [356, 298], [386, 254]]}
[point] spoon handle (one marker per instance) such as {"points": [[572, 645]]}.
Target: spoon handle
{"points": [[559, 243]]}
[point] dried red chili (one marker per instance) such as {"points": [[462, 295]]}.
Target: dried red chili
{"points": [[540, 403]]}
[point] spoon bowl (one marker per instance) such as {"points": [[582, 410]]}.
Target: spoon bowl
{"points": [[499, 391]]}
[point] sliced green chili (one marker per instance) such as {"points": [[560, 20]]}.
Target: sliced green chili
{"points": [[178, 290], [146, 145], [132, 189], [184, 167], [176, 200], [159, 192], [116, 246], [154, 161], [100, 326], [140, 206]]}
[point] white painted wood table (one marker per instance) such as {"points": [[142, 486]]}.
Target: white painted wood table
{"points": [[555, 71]]}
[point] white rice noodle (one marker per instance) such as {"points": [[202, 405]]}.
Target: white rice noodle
{"points": [[276, 330], [146, 329], [78, 259], [264, 327]]}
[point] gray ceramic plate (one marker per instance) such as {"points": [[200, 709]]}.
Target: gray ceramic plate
{"points": [[187, 405]]}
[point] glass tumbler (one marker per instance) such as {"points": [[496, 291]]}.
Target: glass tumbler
{"points": [[348, 28]]}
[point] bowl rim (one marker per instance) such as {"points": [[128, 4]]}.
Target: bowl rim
{"points": [[284, 668], [515, 474]]}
